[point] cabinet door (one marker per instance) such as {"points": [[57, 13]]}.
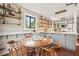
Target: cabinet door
{"points": [[78, 27], [62, 40], [71, 42], [59, 38], [55, 37]]}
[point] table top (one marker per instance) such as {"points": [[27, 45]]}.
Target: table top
{"points": [[36, 43]]}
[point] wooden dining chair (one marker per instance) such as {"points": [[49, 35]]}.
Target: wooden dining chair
{"points": [[11, 47], [29, 51], [12, 52], [38, 51], [47, 46], [16, 49], [58, 48], [47, 52]]}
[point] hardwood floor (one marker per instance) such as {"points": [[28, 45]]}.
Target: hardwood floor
{"points": [[77, 47], [66, 52]]}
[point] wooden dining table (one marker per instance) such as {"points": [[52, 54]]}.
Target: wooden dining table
{"points": [[36, 43]]}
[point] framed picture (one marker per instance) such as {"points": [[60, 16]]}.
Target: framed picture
{"points": [[29, 22]]}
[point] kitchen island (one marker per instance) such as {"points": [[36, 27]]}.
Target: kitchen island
{"points": [[68, 39]]}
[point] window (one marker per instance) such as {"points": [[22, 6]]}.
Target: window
{"points": [[30, 22]]}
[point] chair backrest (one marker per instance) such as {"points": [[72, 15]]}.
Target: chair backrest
{"points": [[16, 49], [13, 51]]}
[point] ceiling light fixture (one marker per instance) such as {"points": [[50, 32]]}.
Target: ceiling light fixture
{"points": [[62, 11], [67, 4]]}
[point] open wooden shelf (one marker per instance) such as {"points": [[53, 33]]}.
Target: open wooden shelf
{"points": [[11, 16], [10, 12]]}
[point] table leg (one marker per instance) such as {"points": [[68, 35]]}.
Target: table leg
{"points": [[37, 51]]}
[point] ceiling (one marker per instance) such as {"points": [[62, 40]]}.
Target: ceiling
{"points": [[45, 9]]}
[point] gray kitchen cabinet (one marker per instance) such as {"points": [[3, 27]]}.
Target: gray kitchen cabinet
{"points": [[62, 40], [78, 27], [59, 38], [55, 37], [68, 40], [71, 42], [3, 45]]}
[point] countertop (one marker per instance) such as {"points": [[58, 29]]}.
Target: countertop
{"points": [[61, 33], [11, 33]]}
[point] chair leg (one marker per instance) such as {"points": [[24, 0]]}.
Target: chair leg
{"points": [[60, 51], [46, 54], [55, 53], [38, 51], [41, 52], [10, 52], [16, 50]]}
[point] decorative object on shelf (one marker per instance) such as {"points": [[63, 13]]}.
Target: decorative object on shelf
{"points": [[12, 10], [1, 13], [66, 25], [45, 24]]}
